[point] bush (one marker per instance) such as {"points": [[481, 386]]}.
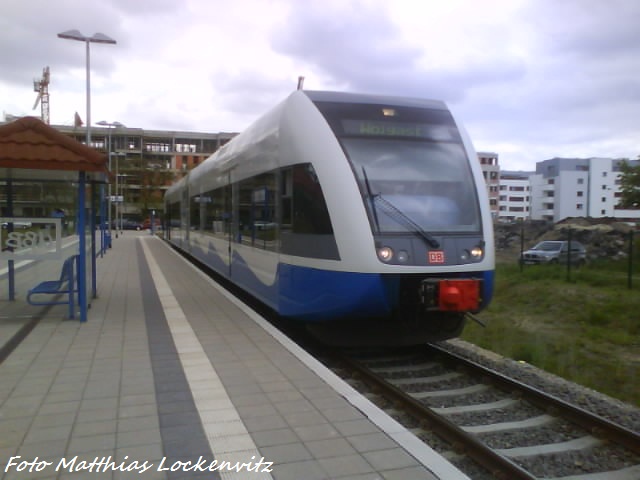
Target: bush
{"points": [[580, 329]]}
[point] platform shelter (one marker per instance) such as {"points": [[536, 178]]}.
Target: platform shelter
{"points": [[49, 204]]}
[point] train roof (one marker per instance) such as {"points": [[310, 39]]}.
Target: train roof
{"points": [[248, 140], [346, 97]]}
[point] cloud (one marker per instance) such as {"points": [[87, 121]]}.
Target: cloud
{"points": [[344, 39], [532, 79], [359, 47], [29, 36], [590, 28]]}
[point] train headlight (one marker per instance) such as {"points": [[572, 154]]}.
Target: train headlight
{"points": [[385, 254], [476, 253], [403, 256]]}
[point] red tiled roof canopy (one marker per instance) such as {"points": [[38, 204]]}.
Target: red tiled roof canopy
{"points": [[29, 143]]}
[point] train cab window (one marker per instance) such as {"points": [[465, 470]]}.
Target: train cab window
{"points": [[429, 182], [410, 160]]}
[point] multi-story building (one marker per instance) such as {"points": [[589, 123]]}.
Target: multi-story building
{"points": [[146, 162], [577, 187], [514, 199], [491, 171]]}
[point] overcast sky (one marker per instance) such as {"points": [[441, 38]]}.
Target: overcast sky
{"points": [[530, 79]]}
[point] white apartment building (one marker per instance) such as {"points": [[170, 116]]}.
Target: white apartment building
{"points": [[491, 171], [577, 187], [514, 200]]}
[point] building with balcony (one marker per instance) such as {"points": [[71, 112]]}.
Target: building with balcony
{"points": [[146, 162], [514, 200], [577, 187], [491, 171]]}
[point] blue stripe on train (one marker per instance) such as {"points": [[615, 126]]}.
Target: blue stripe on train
{"points": [[315, 295]]}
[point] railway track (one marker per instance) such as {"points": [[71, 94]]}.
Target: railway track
{"points": [[510, 429], [493, 427]]}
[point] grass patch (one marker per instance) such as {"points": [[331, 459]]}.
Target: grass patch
{"points": [[584, 327]]}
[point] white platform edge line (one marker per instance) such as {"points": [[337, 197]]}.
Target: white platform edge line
{"points": [[196, 364], [428, 457]]}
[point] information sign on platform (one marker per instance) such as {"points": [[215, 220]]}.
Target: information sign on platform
{"points": [[30, 238]]}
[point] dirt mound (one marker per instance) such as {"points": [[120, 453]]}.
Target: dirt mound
{"points": [[602, 237]]}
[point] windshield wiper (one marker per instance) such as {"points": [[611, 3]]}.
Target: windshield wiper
{"points": [[371, 199], [403, 219], [396, 214]]}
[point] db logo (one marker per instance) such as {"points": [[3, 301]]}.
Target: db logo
{"points": [[436, 256]]}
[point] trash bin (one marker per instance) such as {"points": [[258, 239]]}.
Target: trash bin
{"points": [[107, 239]]}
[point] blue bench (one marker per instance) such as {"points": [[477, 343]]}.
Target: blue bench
{"points": [[65, 285]]}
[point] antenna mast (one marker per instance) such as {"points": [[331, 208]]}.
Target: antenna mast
{"points": [[42, 87]]}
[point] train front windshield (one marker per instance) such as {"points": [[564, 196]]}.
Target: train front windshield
{"points": [[411, 166]]}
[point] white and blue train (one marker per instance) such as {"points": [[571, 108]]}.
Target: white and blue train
{"points": [[366, 217]]}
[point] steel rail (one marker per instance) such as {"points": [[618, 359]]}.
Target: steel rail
{"points": [[593, 423], [462, 442]]}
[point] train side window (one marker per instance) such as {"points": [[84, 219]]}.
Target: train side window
{"points": [[310, 214], [184, 209], [217, 220], [173, 220], [194, 213], [311, 233], [286, 199], [257, 212], [207, 211]]}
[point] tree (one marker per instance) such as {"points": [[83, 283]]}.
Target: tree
{"points": [[630, 185]]}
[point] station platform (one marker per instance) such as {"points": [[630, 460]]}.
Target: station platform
{"points": [[172, 377]]}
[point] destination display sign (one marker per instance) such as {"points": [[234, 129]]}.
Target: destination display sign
{"points": [[376, 128]]}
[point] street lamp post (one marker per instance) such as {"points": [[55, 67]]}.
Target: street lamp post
{"points": [[119, 195], [96, 38], [122, 181], [104, 123], [82, 300], [118, 209]]}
